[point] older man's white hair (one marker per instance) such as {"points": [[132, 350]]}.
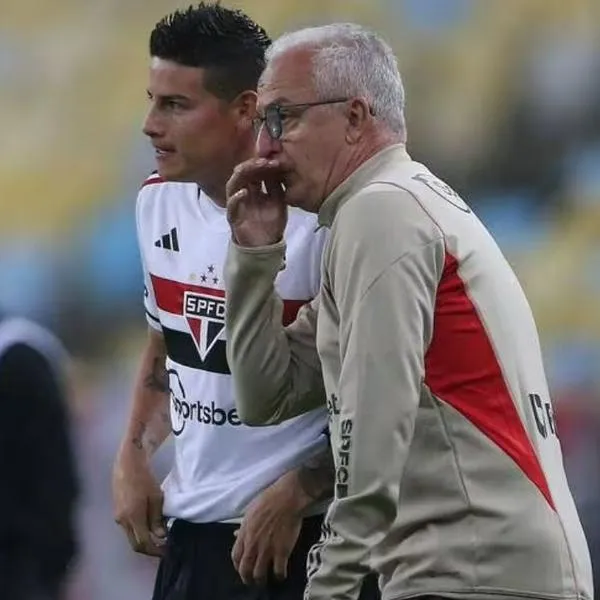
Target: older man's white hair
{"points": [[351, 61]]}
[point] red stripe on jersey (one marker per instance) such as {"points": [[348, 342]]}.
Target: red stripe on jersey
{"points": [[169, 296], [155, 178], [462, 370], [290, 310]]}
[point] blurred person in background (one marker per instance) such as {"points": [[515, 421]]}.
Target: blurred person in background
{"points": [[449, 471], [241, 507], [37, 464]]}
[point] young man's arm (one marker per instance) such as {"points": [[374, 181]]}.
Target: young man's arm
{"points": [[137, 495], [314, 479], [276, 370], [272, 522]]}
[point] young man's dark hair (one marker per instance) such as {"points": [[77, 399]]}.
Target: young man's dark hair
{"points": [[223, 41]]}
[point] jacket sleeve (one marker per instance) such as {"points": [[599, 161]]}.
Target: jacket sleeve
{"points": [[276, 369], [384, 334]]}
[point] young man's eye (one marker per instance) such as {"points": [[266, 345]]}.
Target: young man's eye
{"points": [[171, 105]]}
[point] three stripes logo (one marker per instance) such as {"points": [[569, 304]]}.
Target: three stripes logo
{"points": [[168, 241], [314, 560]]}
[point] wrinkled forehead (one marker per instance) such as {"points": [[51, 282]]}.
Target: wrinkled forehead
{"points": [[288, 78]]}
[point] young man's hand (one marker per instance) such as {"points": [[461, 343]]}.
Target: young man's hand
{"points": [[270, 530], [138, 502]]}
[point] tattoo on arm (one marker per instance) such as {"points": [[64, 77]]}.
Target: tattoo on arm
{"points": [[149, 438], [153, 445], [147, 435], [317, 476], [138, 438], [158, 379]]}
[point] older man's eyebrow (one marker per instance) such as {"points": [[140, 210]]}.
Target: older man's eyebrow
{"points": [[281, 100]]}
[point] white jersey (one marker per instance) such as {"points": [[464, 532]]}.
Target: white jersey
{"points": [[220, 465]]}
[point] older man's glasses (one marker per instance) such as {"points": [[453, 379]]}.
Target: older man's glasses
{"points": [[275, 115]]}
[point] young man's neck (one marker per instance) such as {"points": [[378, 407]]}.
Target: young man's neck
{"points": [[215, 190]]}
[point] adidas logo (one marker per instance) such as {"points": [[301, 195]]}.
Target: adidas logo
{"points": [[168, 241]]}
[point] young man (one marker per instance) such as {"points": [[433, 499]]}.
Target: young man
{"points": [[37, 463], [450, 480], [237, 498]]}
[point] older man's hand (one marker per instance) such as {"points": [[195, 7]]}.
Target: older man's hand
{"points": [[256, 209]]}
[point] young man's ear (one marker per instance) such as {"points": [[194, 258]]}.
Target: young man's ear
{"points": [[245, 106], [359, 114]]}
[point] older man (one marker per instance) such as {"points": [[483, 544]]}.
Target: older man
{"points": [[450, 480]]}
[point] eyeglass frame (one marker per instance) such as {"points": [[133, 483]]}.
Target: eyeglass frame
{"points": [[278, 113]]}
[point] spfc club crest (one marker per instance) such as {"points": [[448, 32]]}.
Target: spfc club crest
{"points": [[205, 316]]}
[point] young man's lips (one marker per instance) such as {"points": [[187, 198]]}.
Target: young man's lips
{"points": [[159, 150], [160, 153]]}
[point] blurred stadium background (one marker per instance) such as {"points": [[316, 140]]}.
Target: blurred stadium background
{"points": [[503, 102]]}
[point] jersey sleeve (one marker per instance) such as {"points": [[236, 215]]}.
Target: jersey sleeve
{"points": [[276, 369], [150, 307], [386, 305], [150, 301]]}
